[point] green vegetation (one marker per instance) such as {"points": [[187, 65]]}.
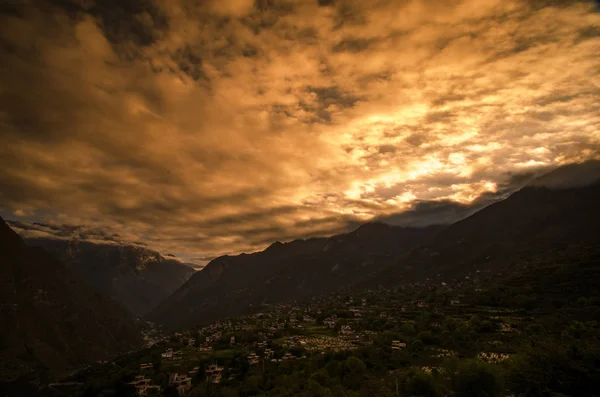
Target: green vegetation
{"points": [[517, 336]]}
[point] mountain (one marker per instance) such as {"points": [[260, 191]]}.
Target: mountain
{"points": [[50, 320], [228, 285], [555, 218], [136, 277]]}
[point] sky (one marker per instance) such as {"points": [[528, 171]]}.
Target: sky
{"points": [[202, 128]]}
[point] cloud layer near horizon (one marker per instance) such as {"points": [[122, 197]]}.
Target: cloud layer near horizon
{"points": [[210, 127]]}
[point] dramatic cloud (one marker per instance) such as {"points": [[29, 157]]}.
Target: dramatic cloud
{"points": [[210, 127], [570, 176]]}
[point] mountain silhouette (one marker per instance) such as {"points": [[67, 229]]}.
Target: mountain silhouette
{"points": [[51, 320], [555, 217], [136, 277], [229, 285]]}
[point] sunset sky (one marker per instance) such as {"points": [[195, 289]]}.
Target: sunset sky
{"points": [[202, 128]]}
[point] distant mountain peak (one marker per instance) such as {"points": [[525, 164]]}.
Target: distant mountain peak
{"points": [[275, 245], [8, 236], [135, 276], [552, 219], [570, 176], [293, 270], [70, 326], [373, 226]]}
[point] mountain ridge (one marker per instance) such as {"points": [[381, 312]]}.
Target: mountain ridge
{"points": [[228, 285], [547, 217], [540, 219], [136, 277], [51, 320]]}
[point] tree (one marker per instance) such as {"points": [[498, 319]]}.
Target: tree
{"points": [[426, 337], [550, 368], [355, 366], [321, 377], [333, 368], [408, 329], [417, 346], [476, 379], [417, 383], [354, 372], [583, 302], [450, 323], [228, 392]]}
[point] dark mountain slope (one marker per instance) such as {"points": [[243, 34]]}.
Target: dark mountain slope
{"points": [[543, 222], [230, 284], [51, 321], [136, 277]]}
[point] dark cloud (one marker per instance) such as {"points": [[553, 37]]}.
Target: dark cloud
{"points": [[439, 117], [425, 213], [330, 96], [333, 96], [432, 212], [325, 3], [250, 217], [589, 32], [352, 45], [387, 149], [415, 139], [13, 8], [190, 63], [66, 232], [538, 4], [348, 13], [570, 176], [443, 99], [124, 22], [442, 212]]}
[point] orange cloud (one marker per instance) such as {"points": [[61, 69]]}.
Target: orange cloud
{"points": [[204, 128]]}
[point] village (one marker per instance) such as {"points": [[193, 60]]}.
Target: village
{"points": [[280, 334], [391, 334]]}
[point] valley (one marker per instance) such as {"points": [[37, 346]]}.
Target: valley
{"points": [[415, 340], [504, 302]]}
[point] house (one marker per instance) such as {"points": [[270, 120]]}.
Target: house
{"points": [[493, 358], [288, 357], [346, 330], [213, 374], [167, 354], [367, 336], [178, 355], [139, 380], [308, 319], [253, 359], [329, 323], [182, 383], [398, 345], [269, 353], [141, 384]]}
